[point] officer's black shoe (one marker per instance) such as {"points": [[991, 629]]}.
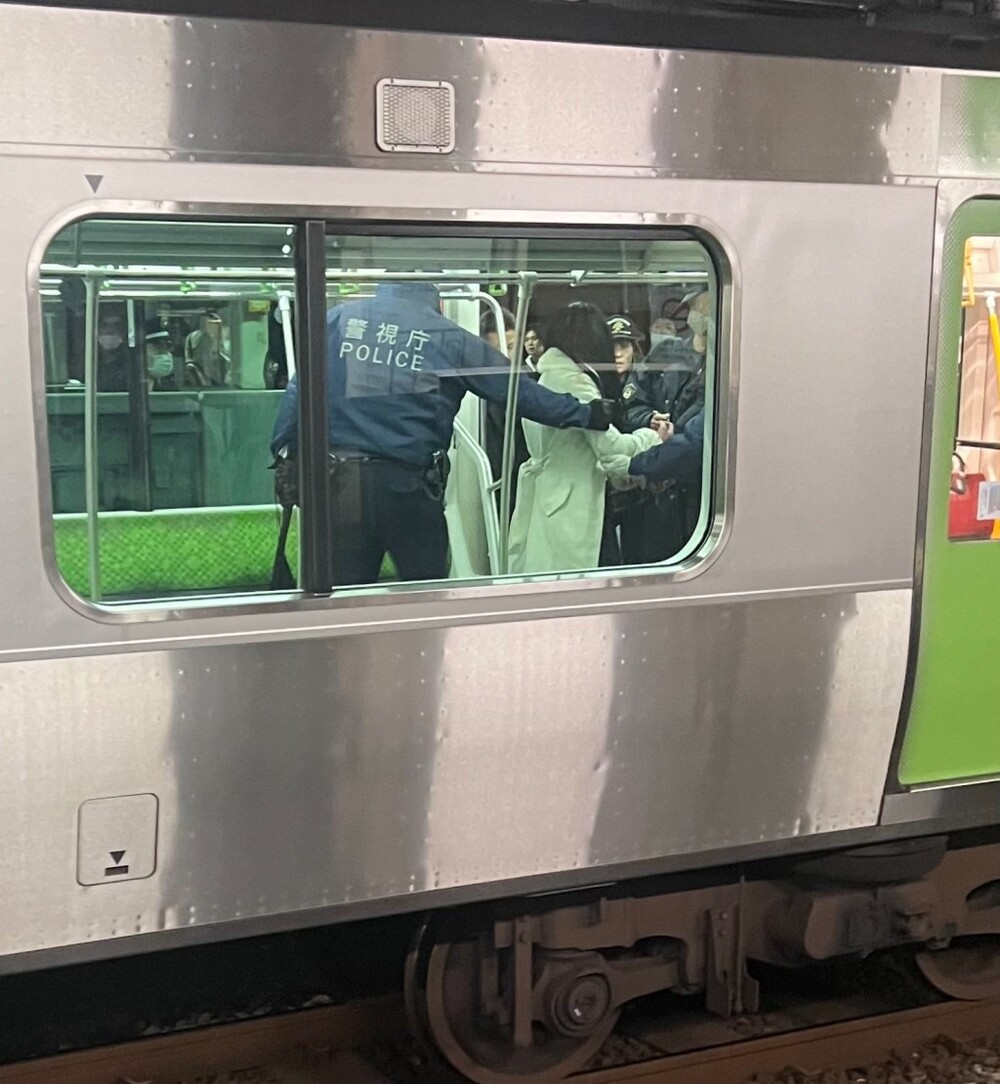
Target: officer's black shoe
{"points": [[601, 413]]}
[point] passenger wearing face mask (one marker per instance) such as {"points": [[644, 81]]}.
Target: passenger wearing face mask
{"points": [[114, 359], [672, 321], [159, 359], [641, 391], [698, 321]]}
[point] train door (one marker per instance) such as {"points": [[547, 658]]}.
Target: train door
{"points": [[951, 733]]}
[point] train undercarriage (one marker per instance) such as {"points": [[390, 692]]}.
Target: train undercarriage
{"points": [[534, 995]]}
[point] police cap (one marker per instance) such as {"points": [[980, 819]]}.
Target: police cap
{"points": [[155, 330], [623, 327]]}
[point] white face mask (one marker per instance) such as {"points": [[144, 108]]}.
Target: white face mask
{"points": [[160, 365], [698, 322], [110, 342]]}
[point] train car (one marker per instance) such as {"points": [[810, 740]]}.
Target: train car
{"points": [[539, 759]]}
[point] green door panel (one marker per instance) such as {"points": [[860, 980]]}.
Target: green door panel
{"points": [[953, 728]]}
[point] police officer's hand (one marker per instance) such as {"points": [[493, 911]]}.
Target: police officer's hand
{"points": [[286, 481], [601, 413], [663, 427]]}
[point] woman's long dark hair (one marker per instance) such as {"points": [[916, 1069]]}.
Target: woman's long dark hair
{"points": [[581, 332]]}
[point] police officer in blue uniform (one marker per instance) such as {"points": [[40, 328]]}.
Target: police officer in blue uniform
{"points": [[677, 459], [624, 518], [676, 387], [671, 382], [396, 373]]}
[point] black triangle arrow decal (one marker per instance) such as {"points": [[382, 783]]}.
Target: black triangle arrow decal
{"points": [[94, 180], [116, 856]]}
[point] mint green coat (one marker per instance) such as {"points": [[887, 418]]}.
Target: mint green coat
{"points": [[559, 514]]}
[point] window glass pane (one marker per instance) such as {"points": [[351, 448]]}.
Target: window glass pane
{"points": [[190, 326], [437, 473], [974, 504]]}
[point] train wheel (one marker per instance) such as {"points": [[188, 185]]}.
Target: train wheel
{"points": [[414, 979], [969, 969], [464, 997]]}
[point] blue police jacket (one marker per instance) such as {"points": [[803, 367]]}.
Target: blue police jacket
{"points": [[668, 379], [678, 458], [396, 373]]}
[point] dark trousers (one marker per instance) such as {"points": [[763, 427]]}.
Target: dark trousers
{"points": [[378, 507], [660, 526], [624, 516]]}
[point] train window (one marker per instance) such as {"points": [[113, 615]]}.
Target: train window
{"points": [[159, 472], [468, 381], [974, 500], [513, 335]]}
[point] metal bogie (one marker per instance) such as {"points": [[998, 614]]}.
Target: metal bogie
{"points": [[729, 989], [963, 960], [565, 973], [801, 927], [504, 1018]]}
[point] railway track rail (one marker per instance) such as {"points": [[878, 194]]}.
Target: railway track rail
{"points": [[814, 1050], [271, 1049], [317, 1046]]}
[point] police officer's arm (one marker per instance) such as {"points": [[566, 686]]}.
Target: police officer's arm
{"points": [[286, 426], [679, 458], [484, 372], [611, 446]]}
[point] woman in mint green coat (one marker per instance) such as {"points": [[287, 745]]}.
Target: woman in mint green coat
{"points": [[559, 513]]}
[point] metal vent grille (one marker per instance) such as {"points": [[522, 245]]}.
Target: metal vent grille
{"points": [[414, 115]]}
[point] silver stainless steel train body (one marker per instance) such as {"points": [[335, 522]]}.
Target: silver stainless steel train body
{"points": [[338, 758]]}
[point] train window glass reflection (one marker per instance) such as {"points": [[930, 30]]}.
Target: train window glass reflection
{"points": [[463, 371], [974, 499], [160, 484]]}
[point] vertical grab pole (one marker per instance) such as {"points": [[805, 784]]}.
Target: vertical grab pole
{"points": [[314, 437], [494, 306], [285, 308], [526, 289], [285, 311], [139, 425], [90, 471]]}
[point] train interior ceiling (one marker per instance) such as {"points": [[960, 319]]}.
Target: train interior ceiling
{"points": [[193, 335]]}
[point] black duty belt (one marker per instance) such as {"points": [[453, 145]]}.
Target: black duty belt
{"points": [[338, 455], [433, 477]]}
